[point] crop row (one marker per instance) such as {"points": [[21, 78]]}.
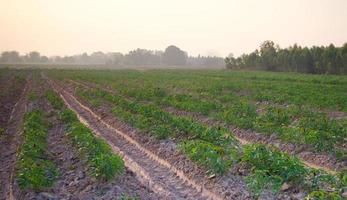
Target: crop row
{"points": [[103, 163], [35, 170], [161, 124], [326, 92], [216, 148], [295, 124]]}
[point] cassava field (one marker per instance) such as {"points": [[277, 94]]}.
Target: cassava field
{"points": [[172, 134]]}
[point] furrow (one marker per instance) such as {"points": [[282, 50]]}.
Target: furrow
{"points": [[154, 172], [238, 134], [13, 132]]}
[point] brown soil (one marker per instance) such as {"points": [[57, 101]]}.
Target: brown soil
{"points": [[231, 186], [11, 90], [158, 174], [311, 158], [75, 180], [12, 110]]}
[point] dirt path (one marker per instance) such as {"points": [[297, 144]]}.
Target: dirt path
{"points": [[9, 145], [156, 173], [317, 160]]}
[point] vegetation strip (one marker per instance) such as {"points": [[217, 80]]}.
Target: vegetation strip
{"points": [[224, 86], [310, 127], [260, 176], [154, 157], [162, 131], [103, 163], [163, 125], [35, 170]]}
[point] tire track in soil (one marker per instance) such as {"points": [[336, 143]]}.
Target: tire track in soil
{"points": [[154, 172], [10, 144], [74, 180], [230, 185], [311, 159]]}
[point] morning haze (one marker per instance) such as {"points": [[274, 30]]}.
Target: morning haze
{"points": [[173, 99], [214, 28]]}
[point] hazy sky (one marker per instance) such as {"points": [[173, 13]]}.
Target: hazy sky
{"points": [[214, 27]]}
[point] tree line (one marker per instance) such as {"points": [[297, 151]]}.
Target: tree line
{"points": [[172, 56], [315, 60]]}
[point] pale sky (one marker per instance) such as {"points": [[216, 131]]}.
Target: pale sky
{"points": [[214, 27]]}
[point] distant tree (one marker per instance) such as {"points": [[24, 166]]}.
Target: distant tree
{"points": [[268, 55], [34, 57], [143, 57], [283, 60], [98, 58], [318, 64], [10, 57], [205, 61], [344, 57], [230, 62], [174, 56], [317, 60], [307, 61], [252, 59], [44, 59], [68, 60], [83, 59], [334, 59], [116, 59]]}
